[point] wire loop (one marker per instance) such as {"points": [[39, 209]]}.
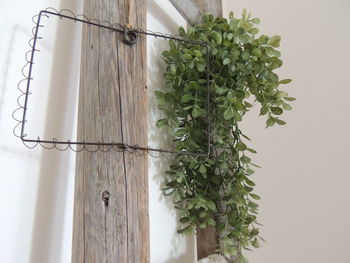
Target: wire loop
{"points": [[130, 36]]}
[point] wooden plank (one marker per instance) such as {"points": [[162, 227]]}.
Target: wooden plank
{"points": [[133, 76], [207, 242], [189, 10], [111, 189], [192, 10], [213, 7]]}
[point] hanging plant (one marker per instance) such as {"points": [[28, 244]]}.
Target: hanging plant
{"points": [[217, 190]]}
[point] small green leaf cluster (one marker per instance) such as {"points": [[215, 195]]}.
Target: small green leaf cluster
{"points": [[217, 191]]}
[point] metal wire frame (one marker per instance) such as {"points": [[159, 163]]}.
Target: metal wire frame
{"points": [[19, 114]]}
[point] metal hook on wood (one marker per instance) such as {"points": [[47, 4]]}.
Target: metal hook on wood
{"points": [[130, 37]]}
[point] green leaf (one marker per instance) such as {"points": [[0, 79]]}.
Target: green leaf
{"points": [[254, 196], [285, 81], [281, 94], [255, 20], [270, 122], [249, 182], [245, 55], [231, 15], [226, 61], [211, 206], [240, 146], [245, 159], [188, 107], [202, 169], [182, 31], [254, 232], [186, 98], [186, 231], [253, 31], [162, 123], [276, 110], [263, 39], [264, 110], [184, 220], [197, 53], [289, 98], [274, 41], [251, 150], [173, 69], [250, 171], [257, 52], [200, 67], [255, 243], [255, 165], [217, 37], [203, 214], [186, 56], [159, 94], [214, 51], [244, 14], [286, 106], [233, 68], [280, 122], [196, 112], [181, 132], [228, 114], [218, 139]]}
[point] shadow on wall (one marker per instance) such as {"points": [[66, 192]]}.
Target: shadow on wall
{"points": [[51, 203], [182, 248], [9, 143]]}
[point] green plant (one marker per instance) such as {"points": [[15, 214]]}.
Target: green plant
{"points": [[218, 190]]}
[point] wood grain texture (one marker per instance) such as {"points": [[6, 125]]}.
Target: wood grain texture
{"points": [[189, 10], [192, 10], [213, 7], [207, 243], [112, 81]]}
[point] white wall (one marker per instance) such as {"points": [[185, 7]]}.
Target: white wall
{"points": [[36, 186], [166, 245], [305, 178]]}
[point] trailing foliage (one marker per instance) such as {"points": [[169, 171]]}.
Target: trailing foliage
{"points": [[218, 190]]}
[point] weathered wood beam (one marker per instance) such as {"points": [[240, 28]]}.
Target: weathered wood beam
{"points": [[189, 10], [192, 10], [213, 7], [111, 189]]}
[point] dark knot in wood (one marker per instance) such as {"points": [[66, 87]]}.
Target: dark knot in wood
{"points": [[105, 197]]}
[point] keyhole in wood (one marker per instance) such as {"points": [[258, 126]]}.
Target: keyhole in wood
{"points": [[105, 197]]}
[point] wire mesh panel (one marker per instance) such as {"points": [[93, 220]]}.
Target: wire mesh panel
{"points": [[33, 93]]}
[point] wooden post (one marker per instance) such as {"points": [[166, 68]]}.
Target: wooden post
{"points": [[213, 7], [207, 242], [111, 189]]}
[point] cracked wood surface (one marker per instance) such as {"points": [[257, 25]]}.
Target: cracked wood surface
{"points": [[111, 189]]}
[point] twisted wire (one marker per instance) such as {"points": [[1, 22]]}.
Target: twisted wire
{"points": [[18, 114]]}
